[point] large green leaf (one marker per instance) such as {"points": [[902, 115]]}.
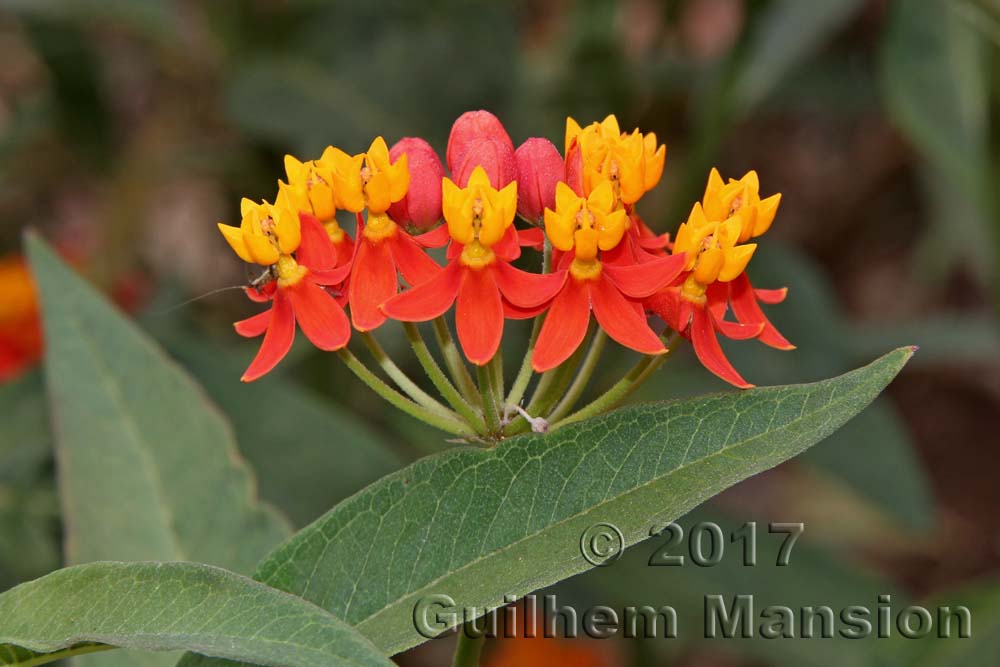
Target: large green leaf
{"points": [[481, 524], [148, 468], [171, 606], [143, 456], [304, 471]]}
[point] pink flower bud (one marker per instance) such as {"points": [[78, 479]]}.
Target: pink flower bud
{"points": [[539, 168], [478, 138], [493, 156], [421, 207]]}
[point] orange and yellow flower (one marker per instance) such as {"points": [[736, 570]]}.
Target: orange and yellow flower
{"points": [[582, 228], [302, 261], [714, 278], [601, 152], [478, 278]]}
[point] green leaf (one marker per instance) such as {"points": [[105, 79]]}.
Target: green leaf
{"points": [[784, 36], [934, 74], [148, 467], [482, 524], [304, 470], [167, 607]]}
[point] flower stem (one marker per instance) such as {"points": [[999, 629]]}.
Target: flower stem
{"points": [[399, 401], [582, 377], [487, 389], [551, 385], [525, 373], [453, 360], [441, 381], [622, 389], [401, 379], [469, 646]]}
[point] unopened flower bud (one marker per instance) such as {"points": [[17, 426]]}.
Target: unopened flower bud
{"points": [[539, 168], [421, 207], [478, 138]]}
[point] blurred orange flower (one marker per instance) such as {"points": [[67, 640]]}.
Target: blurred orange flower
{"points": [[20, 326]]}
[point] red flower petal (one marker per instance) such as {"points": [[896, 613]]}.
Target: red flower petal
{"points": [[435, 238], [747, 311], [262, 295], [527, 290], [641, 280], [533, 237], [277, 340], [564, 328], [512, 312], [427, 300], [254, 326], [771, 296], [411, 260], [508, 248], [330, 276], [738, 331], [620, 319], [479, 316], [666, 304], [316, 251], [709, 352], [345, 249], [373, 282], [322, 320]]}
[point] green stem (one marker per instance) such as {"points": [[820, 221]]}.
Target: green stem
{"points": [[525, 373], [401, 379], [399, 401], [440, 380], [496, 372], [582, 377], [487, 390], [622, 389], [468, 648], [453, 360], [550, 387]]}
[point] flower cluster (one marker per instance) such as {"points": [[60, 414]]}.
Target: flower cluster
{"points": [[495, 202]]}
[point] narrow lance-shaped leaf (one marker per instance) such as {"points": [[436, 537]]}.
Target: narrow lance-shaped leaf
{"points": [[172, 606], [148, 468], [142, 454], [479, 525]]}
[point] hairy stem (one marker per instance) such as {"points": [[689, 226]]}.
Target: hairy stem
{"points": [[622, 389], [453, 360], [401, 379], [441, 381], [397, 400], [487, 390], [525, 373], [582, 378]]}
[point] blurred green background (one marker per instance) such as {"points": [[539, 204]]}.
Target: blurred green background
{"points": [[129, 129]]}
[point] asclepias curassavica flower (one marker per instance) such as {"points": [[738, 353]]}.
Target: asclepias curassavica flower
{"points": [[601, 271]]}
